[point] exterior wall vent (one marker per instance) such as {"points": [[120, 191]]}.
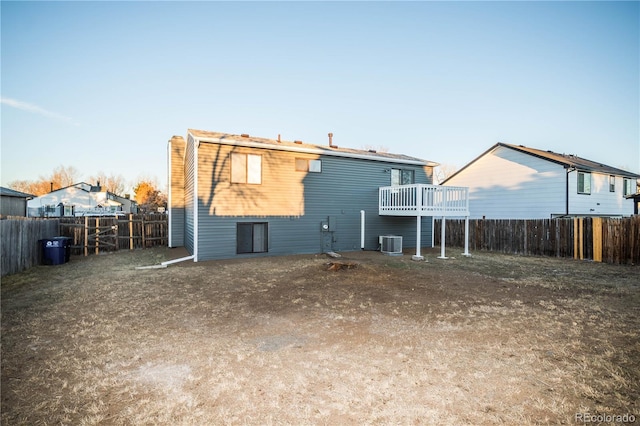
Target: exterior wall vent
{"points": [[391, 245]]}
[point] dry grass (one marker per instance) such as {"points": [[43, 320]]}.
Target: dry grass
{"points": [[491, 339]]}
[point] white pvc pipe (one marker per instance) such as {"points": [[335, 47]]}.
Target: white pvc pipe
{"points": [[196, 145], [362, 229], [169, 197], [182, 259]]}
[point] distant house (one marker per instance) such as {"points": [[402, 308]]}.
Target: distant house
{"points": [[242, 196], [636, 202], [12, 202], [80, 199], [517, 182]]}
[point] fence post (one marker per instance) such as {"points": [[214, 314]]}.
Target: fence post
{"points": [[144, 243], [86, 236], [597, 239], [97, 235], [130, 231]]}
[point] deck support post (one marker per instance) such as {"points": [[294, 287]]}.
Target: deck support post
{"points": [[466, 237], [417, 256], [442, 239]]}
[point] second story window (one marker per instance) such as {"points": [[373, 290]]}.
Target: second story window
{"points": [[402, 177], [612, 183], [584, 183], [311, 166], [246, 168], [627, 187]]}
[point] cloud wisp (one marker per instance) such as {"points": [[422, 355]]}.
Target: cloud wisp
{"points": [[26, 106]]}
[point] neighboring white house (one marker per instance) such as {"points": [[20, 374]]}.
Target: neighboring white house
{"points": [[80, 199], [516, 182]]}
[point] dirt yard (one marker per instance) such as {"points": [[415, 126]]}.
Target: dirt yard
{"points": [[490, 339]]}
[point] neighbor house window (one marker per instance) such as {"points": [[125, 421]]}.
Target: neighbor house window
{"points": [[246, 168], [402, 177], [311, 166], [612, 184], [584, 183], [252, 237], [627, 187]]}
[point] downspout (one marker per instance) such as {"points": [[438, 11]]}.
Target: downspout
{"points": [[196, 145], [569, 170], [362, 213], [169, 212]]}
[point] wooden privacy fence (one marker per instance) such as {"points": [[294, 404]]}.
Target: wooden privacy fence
{"points": [[19, 242], [600, 239], [97, 234]]}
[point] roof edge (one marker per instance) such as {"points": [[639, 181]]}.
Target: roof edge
{"points": [[307, 150]]}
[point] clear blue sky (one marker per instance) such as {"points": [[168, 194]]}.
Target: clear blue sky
{"points": [[103, 86]]}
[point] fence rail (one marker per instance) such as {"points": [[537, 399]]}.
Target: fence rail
{"points": [[97, 234], [19, 242], [600, 239]]}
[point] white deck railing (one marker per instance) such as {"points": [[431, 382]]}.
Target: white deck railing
{"points": [[423, 200]]}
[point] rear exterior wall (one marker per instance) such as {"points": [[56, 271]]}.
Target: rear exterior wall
{"points": [[176, 151], [294, 204]]}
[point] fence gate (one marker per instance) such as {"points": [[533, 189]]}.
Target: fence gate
{"points": [[99, 234]]}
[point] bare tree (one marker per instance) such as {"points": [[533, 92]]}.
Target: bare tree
{"points": [[61, 177], [112, 183], [443, 171], [64, 176]]}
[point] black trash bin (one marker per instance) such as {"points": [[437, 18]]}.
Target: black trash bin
{"points": [[56, 250]]}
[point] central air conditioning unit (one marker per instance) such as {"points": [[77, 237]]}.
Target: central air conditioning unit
{"points": [[391, 245]]}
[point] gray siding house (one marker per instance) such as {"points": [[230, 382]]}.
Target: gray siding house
{"points": [[242, 196], [12, 202]]}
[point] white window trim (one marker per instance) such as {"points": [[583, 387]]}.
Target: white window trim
{"points": [[586, 185]]}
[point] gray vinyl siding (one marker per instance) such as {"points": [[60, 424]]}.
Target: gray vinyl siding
{"points": [[13, 206], [176, 186], [188, 196], [343, 188]]}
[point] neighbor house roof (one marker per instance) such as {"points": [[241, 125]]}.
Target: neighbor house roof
{"points": [[299, 146], [87, 187], [565, 160], [7, 192]]}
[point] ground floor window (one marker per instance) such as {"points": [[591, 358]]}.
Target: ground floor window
{"points": [[252, 237]]}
